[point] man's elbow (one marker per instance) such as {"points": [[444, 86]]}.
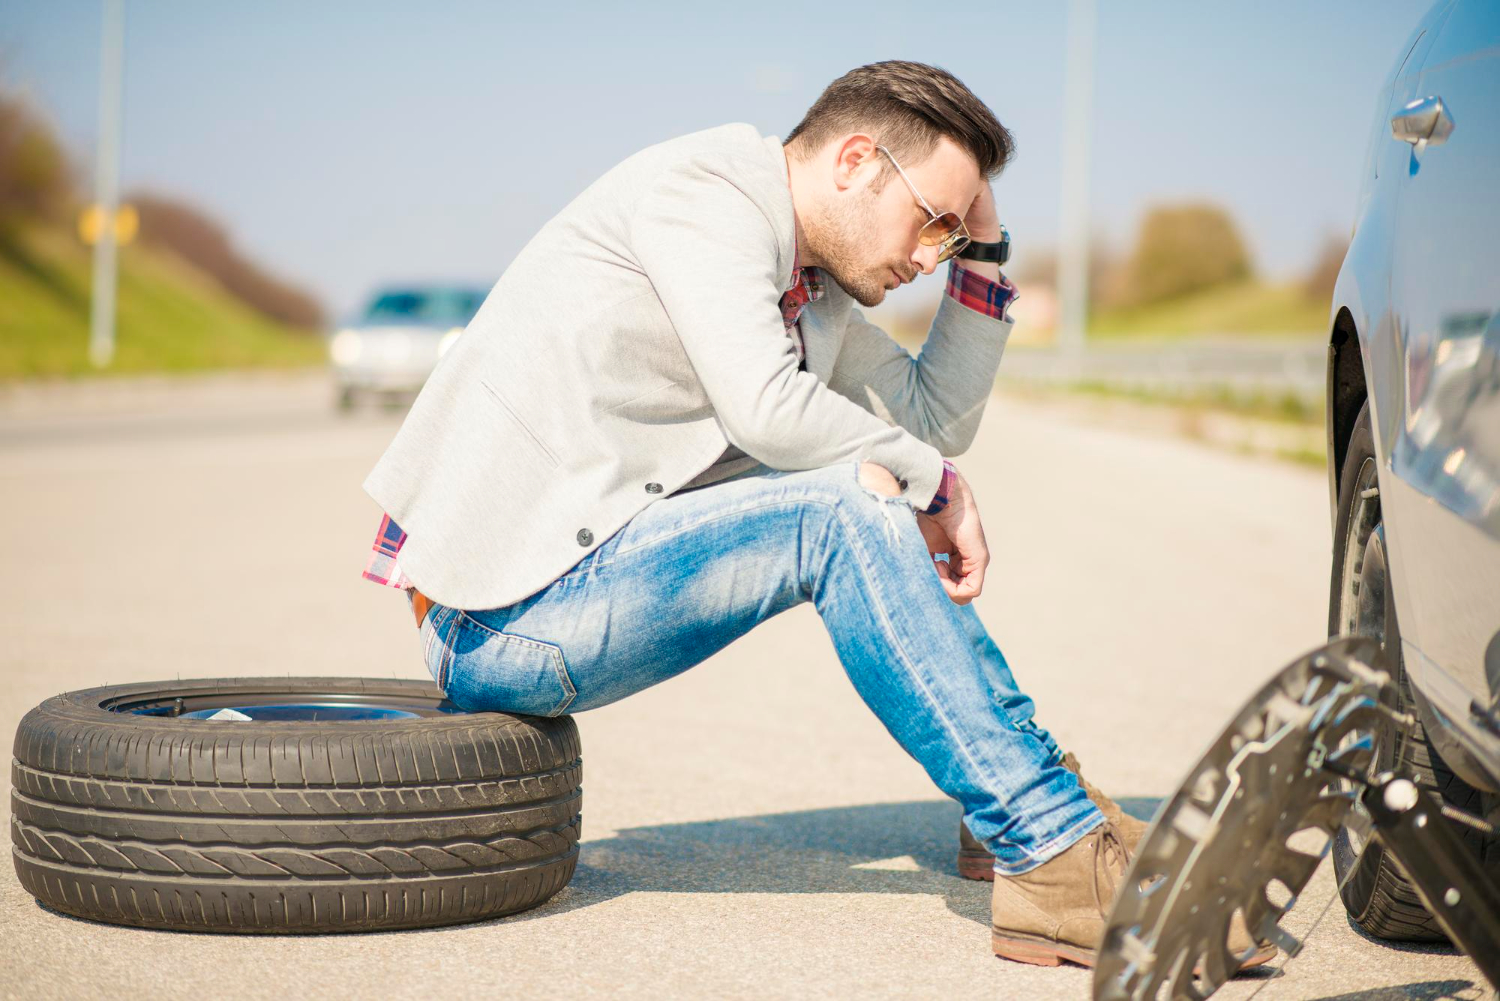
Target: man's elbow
{"points": [[955, 438], [952, 449]]}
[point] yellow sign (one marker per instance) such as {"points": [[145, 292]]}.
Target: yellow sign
{"points": [[127, 223]]}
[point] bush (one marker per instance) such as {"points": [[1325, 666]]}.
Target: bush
{"points": [[1039, 267], [193, 236], [1182, 249], [35, 178]]}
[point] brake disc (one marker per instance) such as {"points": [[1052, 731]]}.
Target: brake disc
{"points": [[1221, 843]]}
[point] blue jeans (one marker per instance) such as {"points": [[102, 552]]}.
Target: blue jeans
{"points": [[699, 568]]}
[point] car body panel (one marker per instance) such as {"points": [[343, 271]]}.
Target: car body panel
{"points": [[1362, 291], [1421, 288]]}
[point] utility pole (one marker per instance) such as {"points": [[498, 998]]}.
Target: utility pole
{"points": [[1073, 258], [107, 182]]}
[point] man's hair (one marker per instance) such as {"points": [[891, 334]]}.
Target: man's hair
{"points": [[907, 107]]}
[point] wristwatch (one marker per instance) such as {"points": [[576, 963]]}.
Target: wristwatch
{"points": [[999, 252]]}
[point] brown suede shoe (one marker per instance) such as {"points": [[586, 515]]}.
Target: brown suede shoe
{"points": [[1130, 829], [974, 859], [976, 862], [1058, 910]]}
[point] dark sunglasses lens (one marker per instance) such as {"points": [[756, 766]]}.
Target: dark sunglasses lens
{"points": [[958, 244]]}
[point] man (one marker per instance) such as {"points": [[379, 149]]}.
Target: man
{"points": [[668, 422]]}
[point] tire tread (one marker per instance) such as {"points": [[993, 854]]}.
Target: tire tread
{"points": [[180, 824]]}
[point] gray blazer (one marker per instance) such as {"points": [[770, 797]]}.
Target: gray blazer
{"points": [[633, 339]]}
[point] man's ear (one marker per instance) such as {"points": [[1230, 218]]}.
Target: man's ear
{"points": [[853, 154]]}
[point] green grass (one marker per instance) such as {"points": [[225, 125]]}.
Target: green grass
{"points": [[1248, 307], [1304, 457], [1285, 406], [169, 316]]}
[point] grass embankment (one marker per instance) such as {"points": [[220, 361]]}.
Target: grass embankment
{"points": [[1282, 423], [1301, 417], [1248, 307], [1285, 407], [1254, 423], [169, 316]]}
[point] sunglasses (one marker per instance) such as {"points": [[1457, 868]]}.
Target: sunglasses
{"points": [[946, 230]]}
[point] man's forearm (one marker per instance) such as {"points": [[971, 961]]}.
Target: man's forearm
{"points": [[984, 269]]}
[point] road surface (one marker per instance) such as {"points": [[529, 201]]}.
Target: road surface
{"points": [[750, 829]]}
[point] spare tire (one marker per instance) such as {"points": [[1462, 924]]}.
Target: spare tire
{"points": [[338, 805]]}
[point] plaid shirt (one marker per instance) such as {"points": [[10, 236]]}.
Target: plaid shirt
{"points": [[975, 291]]}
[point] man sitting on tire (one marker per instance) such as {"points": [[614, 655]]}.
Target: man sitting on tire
{"points": [[668, 423]]}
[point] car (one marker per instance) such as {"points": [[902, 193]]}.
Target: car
{"points": [[398, 338], [1413, 435]]}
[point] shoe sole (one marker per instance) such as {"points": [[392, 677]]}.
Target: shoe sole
{"points": [[1037, 952], [976, 865], [1041, 952]]}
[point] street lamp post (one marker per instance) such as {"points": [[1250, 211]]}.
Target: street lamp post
{"points": [[107, 180], [1073, 260]]}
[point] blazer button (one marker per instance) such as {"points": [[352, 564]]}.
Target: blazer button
{"points": [[585, 536], [903, 484], [653, 488]]}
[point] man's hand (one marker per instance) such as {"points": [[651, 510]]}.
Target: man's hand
{"points": [[956, 531], [983, 223], [982, 219]]}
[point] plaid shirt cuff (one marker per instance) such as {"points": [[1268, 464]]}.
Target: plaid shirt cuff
{"points": [[979, 293], [944, 490], [383, 566]]}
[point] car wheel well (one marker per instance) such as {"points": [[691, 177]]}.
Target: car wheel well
{"points": [[1346, 387]]}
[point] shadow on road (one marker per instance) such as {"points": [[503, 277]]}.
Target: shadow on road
{"points": [[880, 848], [907, 848], [1427, 990]]}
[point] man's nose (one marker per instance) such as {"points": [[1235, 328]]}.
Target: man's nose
{"points": [[925, 259]]}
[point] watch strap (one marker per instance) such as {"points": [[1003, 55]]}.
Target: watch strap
{"points": [[999, 252]]}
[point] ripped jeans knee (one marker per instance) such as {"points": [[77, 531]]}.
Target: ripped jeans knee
{"points": [[895, 508]]}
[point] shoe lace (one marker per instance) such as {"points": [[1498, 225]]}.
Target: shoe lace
{"points": [[1111, 859]]}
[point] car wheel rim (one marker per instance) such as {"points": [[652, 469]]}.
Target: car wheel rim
{"points": [[1362, 610], [1364, 520], [270, 706]]}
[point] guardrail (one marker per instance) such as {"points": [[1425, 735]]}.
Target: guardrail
{"points": [[1276, 365]]}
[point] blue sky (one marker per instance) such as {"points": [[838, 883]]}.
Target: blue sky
{"points": [[346, 144]]}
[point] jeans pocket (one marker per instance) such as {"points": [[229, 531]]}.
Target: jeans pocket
{"points": [[491, 671]]}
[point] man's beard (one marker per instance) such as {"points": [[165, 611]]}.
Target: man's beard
{"points": [[841, 239]]}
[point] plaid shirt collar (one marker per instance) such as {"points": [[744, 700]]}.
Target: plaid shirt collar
{"points": [[807, 285]]}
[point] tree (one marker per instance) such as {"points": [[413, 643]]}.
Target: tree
{"points": [[1182, 249], [35, 179]]}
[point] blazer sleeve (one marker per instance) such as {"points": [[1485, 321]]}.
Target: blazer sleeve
{"points": [[711, 256], [940, 395]]}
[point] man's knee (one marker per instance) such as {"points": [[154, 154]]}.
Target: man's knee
{"points": [[876, 477]]}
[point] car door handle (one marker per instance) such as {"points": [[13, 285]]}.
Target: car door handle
{"points": [[1424, 122]]}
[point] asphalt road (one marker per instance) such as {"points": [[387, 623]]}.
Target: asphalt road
{"points": [[750, 829]]}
